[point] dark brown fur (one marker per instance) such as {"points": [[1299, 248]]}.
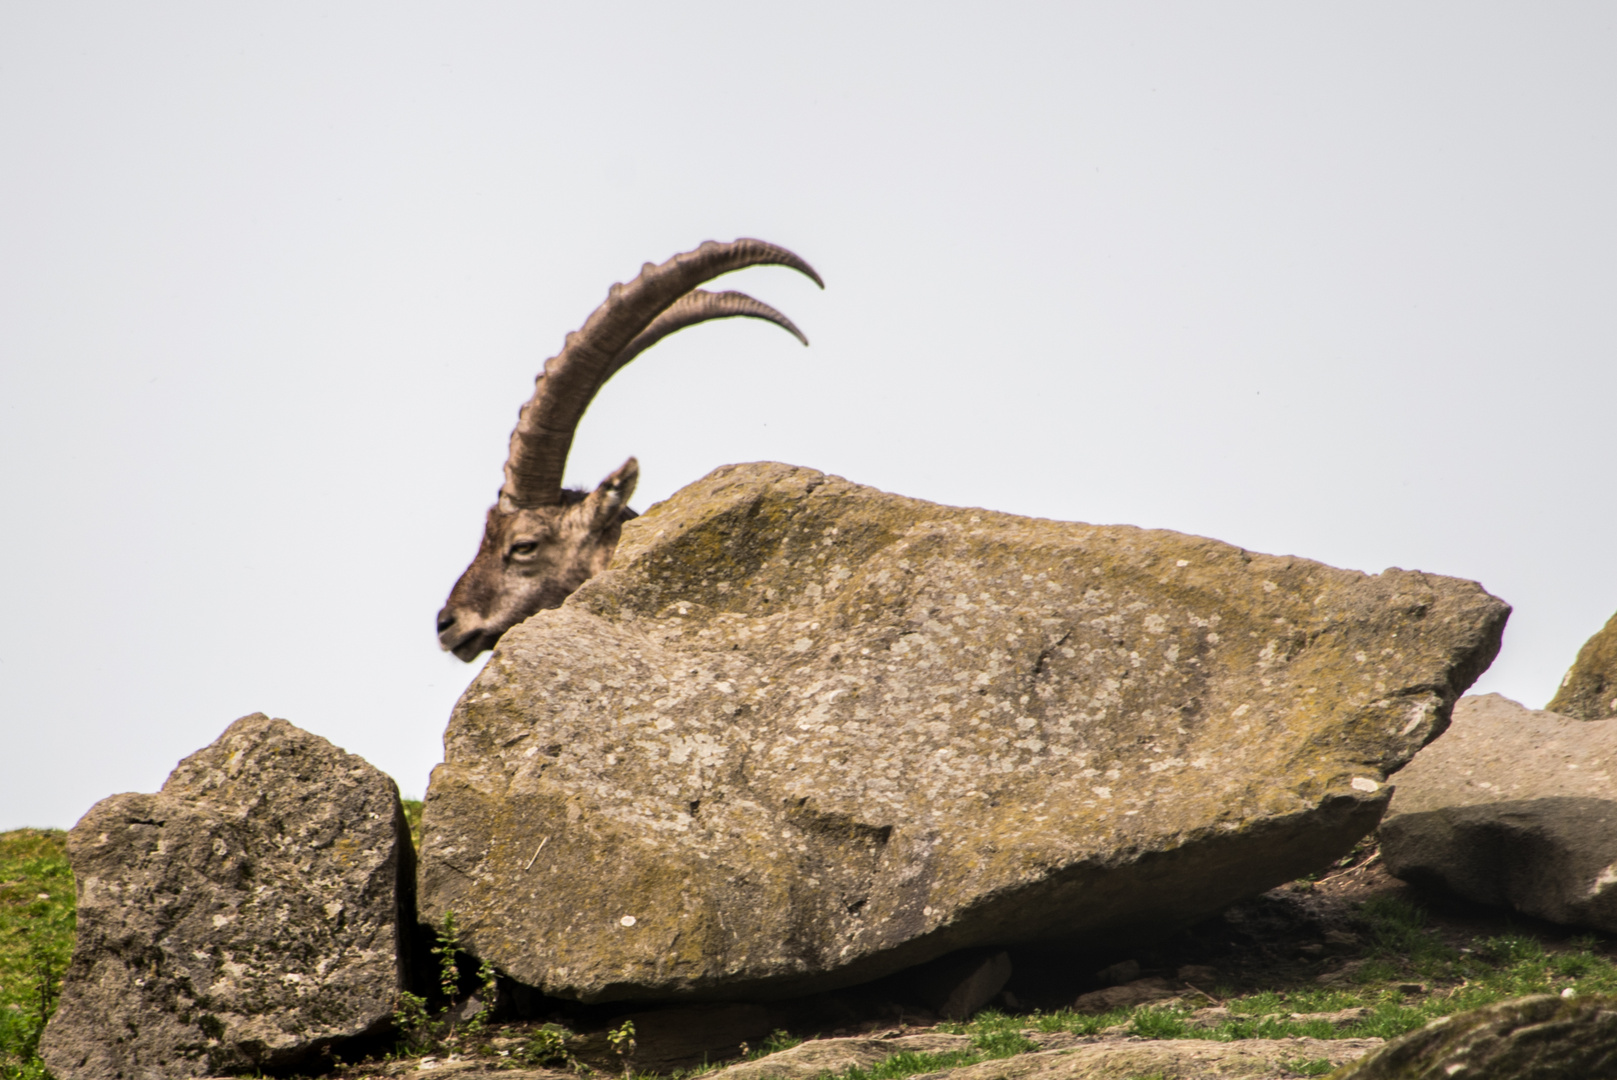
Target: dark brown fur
{"points": [[533, 559], [541, 542]]}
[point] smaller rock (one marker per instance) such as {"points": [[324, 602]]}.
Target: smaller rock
{"points": [[1513, 807], [1138, 992], [1342, 976], [247, 917], [1338, 1018], [986, 977], [1536, 1038], [1210, 1017], [1342, 939]]}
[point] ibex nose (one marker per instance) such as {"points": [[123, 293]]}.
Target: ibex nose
{"points": [[446, 619]]}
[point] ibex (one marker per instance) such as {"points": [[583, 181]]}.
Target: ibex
{"points": [[540, 541]]}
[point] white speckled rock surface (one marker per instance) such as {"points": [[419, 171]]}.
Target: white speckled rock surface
{"points": [[806, 733], [246, 917]]}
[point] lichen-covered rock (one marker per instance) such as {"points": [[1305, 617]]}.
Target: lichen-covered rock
{"points": [[1533, 1038], [1180, 1059], [1589, 689], [830, 1057], [246, 917], [807, 733], [1063, 1057], [1514, 807]]}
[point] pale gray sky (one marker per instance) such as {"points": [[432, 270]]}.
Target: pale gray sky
{"points": [[1336, 281]]}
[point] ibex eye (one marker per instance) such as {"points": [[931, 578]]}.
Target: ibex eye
{"points": [[527, 547]]}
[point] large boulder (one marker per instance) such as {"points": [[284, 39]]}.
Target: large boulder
{"points": [[247, 917], [1513, 807], [807, 733], [1589, 689]]}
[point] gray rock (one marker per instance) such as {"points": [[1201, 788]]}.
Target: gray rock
{"points": [[828, 1057], [957, 986], [805, 734], [1534, 1038], [246, 917], [1181, 1059], [1210, 1016], [1514, 807], [1337, 1017], [1125, 995]]}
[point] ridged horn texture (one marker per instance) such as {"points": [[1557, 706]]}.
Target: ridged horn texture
{"points": [[696, 306], [661, 300]]}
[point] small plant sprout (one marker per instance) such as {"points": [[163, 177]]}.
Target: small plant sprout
{"points": [[621, 1039], [448, 945], [547, 1045], [487, 989]]}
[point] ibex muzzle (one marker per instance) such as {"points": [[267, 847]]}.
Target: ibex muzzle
{"points": [[541, 541]]}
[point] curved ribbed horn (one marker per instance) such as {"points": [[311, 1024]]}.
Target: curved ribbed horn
{"points": [[696, 306], [544, 431]]}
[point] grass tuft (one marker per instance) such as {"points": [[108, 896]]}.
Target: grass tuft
{"points": [[412, 818], [36, 939]]}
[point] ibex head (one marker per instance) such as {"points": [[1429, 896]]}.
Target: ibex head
{"points": [[540, 541]]}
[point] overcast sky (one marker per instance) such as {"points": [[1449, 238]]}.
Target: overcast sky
{"points": [[1332, 280]]}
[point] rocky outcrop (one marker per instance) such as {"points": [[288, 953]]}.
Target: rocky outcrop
{"points": [[246, 917], [1534, 1038], [1514, 807], [1589, 689], [806, 733]]}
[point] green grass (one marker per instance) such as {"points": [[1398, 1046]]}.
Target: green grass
{"points": [[36, 938], [1409, 976], [779, 1039], [412, 817], [994, 1038]]}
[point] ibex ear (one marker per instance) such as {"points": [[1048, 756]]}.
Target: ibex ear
{"points": [[605, 504]]}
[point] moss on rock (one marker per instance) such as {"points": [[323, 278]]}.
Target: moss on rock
{"points": [[1589, 689]]}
